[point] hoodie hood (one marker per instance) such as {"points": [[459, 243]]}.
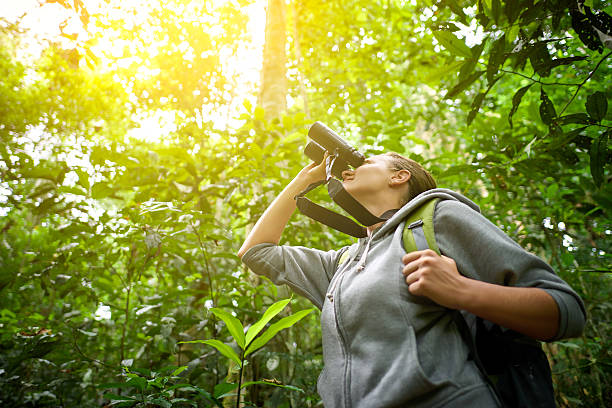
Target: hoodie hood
{"points": [[416, 202]]}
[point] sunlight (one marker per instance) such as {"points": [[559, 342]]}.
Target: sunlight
{"points": [[113, 51]]}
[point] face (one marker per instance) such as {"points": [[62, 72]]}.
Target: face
{"points": [[369, 178]]}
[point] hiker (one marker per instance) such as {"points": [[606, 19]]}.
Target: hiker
{"points": [[389, 338]]}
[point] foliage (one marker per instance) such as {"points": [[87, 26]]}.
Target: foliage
{"points": [[114, 248]]}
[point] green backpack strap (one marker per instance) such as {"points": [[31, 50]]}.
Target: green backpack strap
{"points": [[419, 234], [418, 231], [419, 228]]}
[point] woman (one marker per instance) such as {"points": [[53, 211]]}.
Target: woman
{"points": [[389, 339]]}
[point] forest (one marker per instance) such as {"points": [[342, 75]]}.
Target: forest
{"points": [[141, 140]]}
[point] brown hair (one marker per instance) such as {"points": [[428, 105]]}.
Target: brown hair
{"points": [[420, 179]]}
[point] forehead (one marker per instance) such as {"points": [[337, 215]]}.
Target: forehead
{"points": [[377, 159]]}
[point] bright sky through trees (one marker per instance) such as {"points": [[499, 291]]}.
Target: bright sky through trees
{"points": [[46, 23]]}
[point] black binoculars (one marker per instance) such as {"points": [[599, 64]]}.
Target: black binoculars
{"points": [[325, 139]]}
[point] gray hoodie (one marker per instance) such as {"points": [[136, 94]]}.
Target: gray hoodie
{"points": [[384, 347]]}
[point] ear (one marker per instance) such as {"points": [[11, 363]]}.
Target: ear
{"points": [[400, 177]]}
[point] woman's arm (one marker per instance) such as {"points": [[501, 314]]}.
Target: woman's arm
{"points": [[271, 224], [530, 311]]}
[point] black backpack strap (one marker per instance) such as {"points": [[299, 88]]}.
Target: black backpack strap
{"points": [[468, 338]]}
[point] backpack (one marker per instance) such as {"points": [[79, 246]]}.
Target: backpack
{"points": [[514, 366]]}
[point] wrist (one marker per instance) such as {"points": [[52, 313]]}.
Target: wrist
{"points": [[467, 294], [297, 185]]}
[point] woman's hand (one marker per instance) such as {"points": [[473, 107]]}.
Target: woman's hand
{"points": [[530, 311], [312, 173], [435, 277], [271, 224]]}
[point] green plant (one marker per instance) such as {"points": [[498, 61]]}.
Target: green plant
{"points": [[155, 389], [250, 342]]}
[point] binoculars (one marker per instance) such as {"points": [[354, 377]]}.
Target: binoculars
{"points": [[325, 139]]}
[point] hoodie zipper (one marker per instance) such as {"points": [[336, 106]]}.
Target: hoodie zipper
{"points": [[336, 308]]}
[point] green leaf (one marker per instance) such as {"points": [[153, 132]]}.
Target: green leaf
{"points": [[598, 154], [283, 323], [497, 57], [434, 75], [540, 59], [223, 388], [137, 382], [452, 43], [566, 61], [597, 106], [457, 9], [272, 311], [190, 387], [160, 402], [233, 325], [223, 348], [83, 178], [183, 400], [476, 103], [512, 10], [463, 84], [580, 118], [516, 101], [547, 109], [273, 383], [178, 371], [101, 190]]}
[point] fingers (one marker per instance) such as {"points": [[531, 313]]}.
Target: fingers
{"points": [[416, 265], [416, 255]]}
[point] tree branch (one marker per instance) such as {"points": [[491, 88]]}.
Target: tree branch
{"points": [[584, 82]]}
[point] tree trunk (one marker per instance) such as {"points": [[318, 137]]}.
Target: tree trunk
{"points": [[273, 88]]}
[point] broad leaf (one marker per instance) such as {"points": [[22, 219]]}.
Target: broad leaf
{"points": [[547, 109], [272, 311], [275, 328], [511, 10], [190, 387], [463, 84], [223, 388], [223, 348], [273, 383], [137, 381], [497, 57], [178, 371], [566, 61], [453, 44], [160, 402], [583, 27], [597, 106], [540, 59], [476, 103], [233, 325], [516, 101], [579, 118], [101, 190]]}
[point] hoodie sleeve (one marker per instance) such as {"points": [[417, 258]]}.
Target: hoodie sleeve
{"points": [[483, 251], [307, 271]]}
